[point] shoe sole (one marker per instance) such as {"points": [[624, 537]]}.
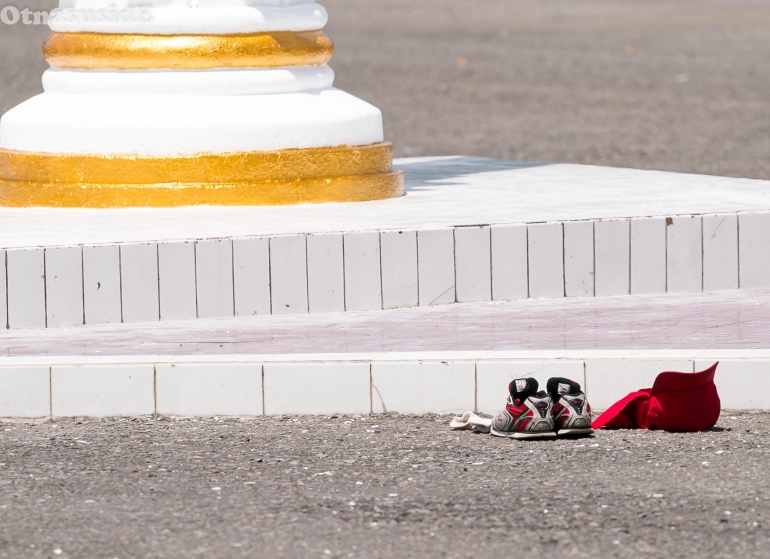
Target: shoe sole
{"points": [[523, 435], [575, 433]]}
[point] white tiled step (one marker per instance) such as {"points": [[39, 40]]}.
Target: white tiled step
{"points": [[376, 270], [469, 229], [402, 383]]}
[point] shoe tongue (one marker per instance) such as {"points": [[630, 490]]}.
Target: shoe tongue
{"points": [[559, 386], [522, 388]]}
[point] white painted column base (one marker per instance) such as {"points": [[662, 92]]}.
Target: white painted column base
{"points": [[177, 124]]}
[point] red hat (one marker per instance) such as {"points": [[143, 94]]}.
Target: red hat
{"points": [[676, 402]]}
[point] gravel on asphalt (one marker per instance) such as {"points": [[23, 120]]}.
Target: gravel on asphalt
{"points": [[378, 487]]}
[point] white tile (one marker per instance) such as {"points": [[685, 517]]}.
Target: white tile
{"points": [[139, 282], [423, 387], [720, 252], [363, 280], [251, 266], [3, 293], [648, 256], [214, 278], [741, 384], [101, 284], [176, 270], [317, 388], [493, 378], [102, 391], [612, 245], [579, 258], [473, 259], [399, 269], [325, 273], [288, 269], [509, 262], [436, 266], [64, 286], [609, 380], [25, 393], [684, 255], [207, 390], [754, 235], [546, 260]]}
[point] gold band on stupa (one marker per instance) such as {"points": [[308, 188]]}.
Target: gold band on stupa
{"points": [[187, 52], [292, 176]]}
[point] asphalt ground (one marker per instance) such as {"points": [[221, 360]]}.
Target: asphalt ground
{"points": [[678, 85], [379, 487]]}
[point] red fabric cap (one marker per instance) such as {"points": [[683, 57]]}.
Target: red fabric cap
{"points": [[676, 402]]}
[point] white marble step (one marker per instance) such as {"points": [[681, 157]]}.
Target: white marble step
{"points": [[469, 229]]}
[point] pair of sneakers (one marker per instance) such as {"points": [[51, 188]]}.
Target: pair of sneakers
{"points": [[561, 410]]}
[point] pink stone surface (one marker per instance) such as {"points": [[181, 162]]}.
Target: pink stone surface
{"points": [[717, 320]]}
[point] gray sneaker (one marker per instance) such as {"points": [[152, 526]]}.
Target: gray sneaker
{"points": [[527, 415], [571, 410]]}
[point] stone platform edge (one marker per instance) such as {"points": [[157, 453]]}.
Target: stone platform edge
{"points": [[35, 392], [370, 270]]}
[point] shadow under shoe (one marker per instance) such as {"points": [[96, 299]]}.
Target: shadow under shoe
{"points": [[527, 415], [571, 410]]}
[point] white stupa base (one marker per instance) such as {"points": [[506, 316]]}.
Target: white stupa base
{"points": [[166, 124], [175, 17], [233, 81]]}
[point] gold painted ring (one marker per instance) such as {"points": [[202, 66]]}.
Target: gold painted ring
{"points": [[187, 52], [294, 176], [268, 193], [232, 167]]}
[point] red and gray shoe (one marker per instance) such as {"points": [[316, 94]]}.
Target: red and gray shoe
{"points": [[527, 415], [571, 410]]}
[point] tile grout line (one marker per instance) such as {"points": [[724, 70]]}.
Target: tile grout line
{"points": [[195, 273], [563, 262], [307, 275], [344, 276], [417, 249], [157, 258], [629, 258], [155, 389], [232, 271], [270, 271], [702, 257], [45, 289], [83, 282], [529, 281], [491, 267], [50, 391], [665, 250], [264, 408], [593, 255], [738, 241], [120, 281], [489, 236], [382, 289], [454, 258], [7, 298]]}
